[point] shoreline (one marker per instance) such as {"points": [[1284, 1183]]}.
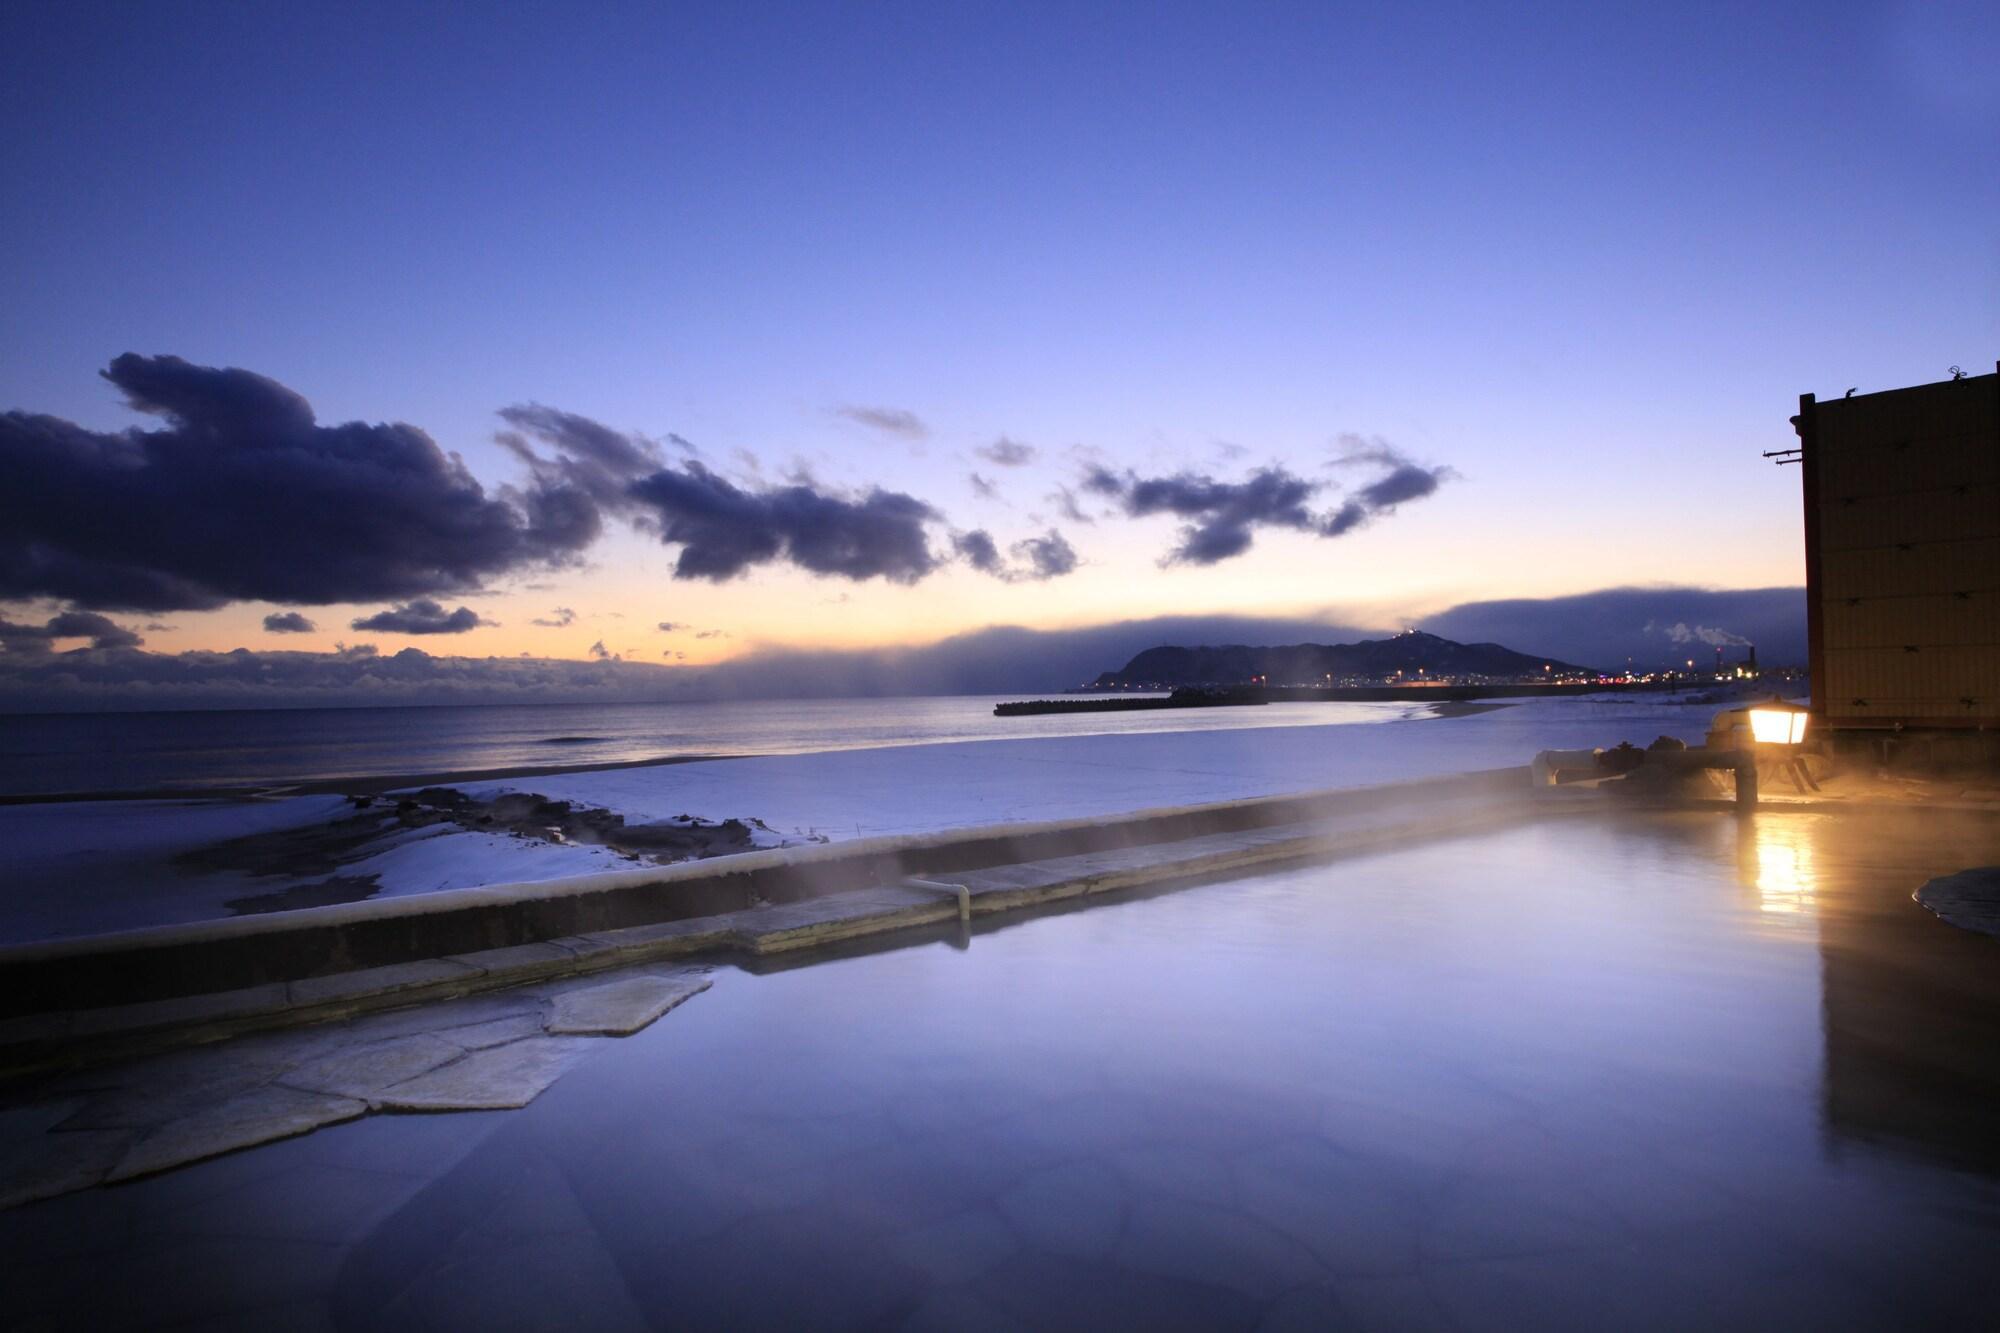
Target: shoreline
{"points": [[355, 786]]}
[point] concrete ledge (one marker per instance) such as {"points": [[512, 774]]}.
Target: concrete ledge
{"points": [[90, 1036], [240, 953]]}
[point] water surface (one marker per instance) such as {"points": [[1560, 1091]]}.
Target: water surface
{"points": [[1669, 1071]]}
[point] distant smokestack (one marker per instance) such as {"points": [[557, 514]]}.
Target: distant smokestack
{"points": [[1751, 661]]}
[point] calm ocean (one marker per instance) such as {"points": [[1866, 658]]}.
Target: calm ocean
{"points": [[48, 754]]}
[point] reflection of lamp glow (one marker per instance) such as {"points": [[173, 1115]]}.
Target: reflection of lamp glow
{"points": [[1786, 880]]}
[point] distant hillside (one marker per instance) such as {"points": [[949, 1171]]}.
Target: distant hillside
{"points": [[1313, 663]]}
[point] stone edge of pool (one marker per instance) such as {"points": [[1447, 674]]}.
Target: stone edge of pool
{"points": [[81, 1001], [113, 995]]}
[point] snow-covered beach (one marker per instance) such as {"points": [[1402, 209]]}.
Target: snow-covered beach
{"points": [[85, 867]]}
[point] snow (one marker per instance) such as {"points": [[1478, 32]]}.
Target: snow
{"points": [[909, 789], [440, 857], [88, 866]]}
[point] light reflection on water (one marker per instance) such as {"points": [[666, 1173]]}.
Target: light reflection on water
{"points": [[1784, 876]]}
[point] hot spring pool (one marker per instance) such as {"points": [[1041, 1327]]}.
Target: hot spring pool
{"points": [[1665, 1071]]}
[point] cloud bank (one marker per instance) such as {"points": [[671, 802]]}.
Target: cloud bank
{"points": [[241, 495], [1603, 628], [1607, 627]]}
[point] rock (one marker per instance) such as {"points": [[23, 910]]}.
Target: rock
{"points": [[618, 1008], [1623, 759], [1969, 899], [242, 1122], [501, 1078]]}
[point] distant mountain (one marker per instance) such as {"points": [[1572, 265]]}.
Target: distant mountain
{"points": [[1411, 653]]}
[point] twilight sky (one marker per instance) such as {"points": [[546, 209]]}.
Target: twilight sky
{"points": [[843, 326]]}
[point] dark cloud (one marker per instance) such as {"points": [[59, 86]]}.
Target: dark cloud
{"points": [[1049, 556], [1406, 482], [241, 495], [1007, 453], [560, 618], [889, 420], [669, 626], [1034, 559], [158, 627], [712, 634], [102, 632], [724, 529], [983, 487], [422, 616], [602, 654], [976, 548], [1223, 516], [1403, 482], [288, 622], [589, 456]]}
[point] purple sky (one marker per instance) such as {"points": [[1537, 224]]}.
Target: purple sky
{"points": [[1573, 263]]}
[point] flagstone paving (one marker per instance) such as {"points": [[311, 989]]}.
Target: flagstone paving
{"points": [[484, 1052]]}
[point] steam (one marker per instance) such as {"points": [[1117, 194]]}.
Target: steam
{"points": [[1682, 632]]}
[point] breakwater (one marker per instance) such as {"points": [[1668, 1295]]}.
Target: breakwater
{"points": [[1118, 704], [1286, 694]]}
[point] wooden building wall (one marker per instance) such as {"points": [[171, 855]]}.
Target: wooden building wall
{"points": [[1903, 554]]}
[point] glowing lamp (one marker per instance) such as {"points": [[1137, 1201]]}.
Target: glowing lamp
{"points": [[1772, 723]]}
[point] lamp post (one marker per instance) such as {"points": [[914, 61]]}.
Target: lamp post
{"points": [[1774, 730]]}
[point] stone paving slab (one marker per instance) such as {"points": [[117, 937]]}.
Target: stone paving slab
{"points": [[76, 1161], [495, 1031], [37, 1164], [618, 1008], [362, 1072], [242, 1122], [167, 1087], [504, 1078]]}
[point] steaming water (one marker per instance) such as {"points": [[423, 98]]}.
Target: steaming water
{"points": [[143, 752], [1676, 1072]]}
